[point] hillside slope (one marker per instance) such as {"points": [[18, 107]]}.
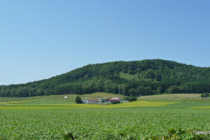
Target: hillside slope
{"points": [[144, 77]]}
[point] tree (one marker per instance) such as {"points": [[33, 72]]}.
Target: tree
{"points": [[205, 95], [127, 78], [78, 100], [131, 98], [159, 90], [131, 92], [158, 78], [141, 90]]}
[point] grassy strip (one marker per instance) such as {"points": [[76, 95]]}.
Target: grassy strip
{"points": [[77, 106]]}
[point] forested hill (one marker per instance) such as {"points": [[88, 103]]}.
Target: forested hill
{"points": [[127, 78]]}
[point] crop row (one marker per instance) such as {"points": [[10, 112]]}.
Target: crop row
{"points": [[110, 123]]}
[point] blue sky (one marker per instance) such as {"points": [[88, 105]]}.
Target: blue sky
{"points": [[43, 38]]}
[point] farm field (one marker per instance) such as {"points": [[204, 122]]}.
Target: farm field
{"points": [[58, 104], [53, 119], [71, 97], [171, 96]]}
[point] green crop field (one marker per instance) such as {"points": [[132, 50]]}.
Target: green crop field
{"points": [[58, 119]]}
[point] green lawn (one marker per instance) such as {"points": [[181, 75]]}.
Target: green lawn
{"points": [[171, 96], [47, 102]]}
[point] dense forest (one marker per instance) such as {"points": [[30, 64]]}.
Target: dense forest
{"points": [[134, 78]]}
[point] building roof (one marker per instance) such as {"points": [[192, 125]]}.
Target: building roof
{"points": [[114, 99], [92, 100]]}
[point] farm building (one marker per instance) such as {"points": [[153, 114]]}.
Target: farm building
{"points": [[90, 101], [84, 101], [102, 100], [125, 101], [114, 101], [115, 98]]}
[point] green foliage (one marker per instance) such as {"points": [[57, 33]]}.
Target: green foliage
{"points": [[78, 100], [181, 134], [205, 95], [68, 136], [146, 77], [131, 99], [158, 78]]}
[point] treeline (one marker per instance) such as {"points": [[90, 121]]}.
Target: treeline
{"points": [[128, 78]]}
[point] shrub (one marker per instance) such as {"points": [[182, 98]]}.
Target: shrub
{"points": [[78, 100], [131, 99]]}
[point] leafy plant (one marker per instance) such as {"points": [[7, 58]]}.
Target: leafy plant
{"points": [[78, 100]]}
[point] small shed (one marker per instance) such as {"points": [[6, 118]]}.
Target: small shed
{"points": [[84, 101], [91, 101], [102, 100], [115, 98]]}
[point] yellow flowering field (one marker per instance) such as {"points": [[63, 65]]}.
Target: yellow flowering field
{"points": [[141, 104], [22, 106]]}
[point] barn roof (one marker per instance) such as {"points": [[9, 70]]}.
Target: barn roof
{"points": [[114, 99]]}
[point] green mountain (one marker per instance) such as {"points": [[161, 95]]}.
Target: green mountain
{"points": [[144, 77]]}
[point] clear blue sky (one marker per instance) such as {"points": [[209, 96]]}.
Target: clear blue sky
{"points": [[43, 38]]}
